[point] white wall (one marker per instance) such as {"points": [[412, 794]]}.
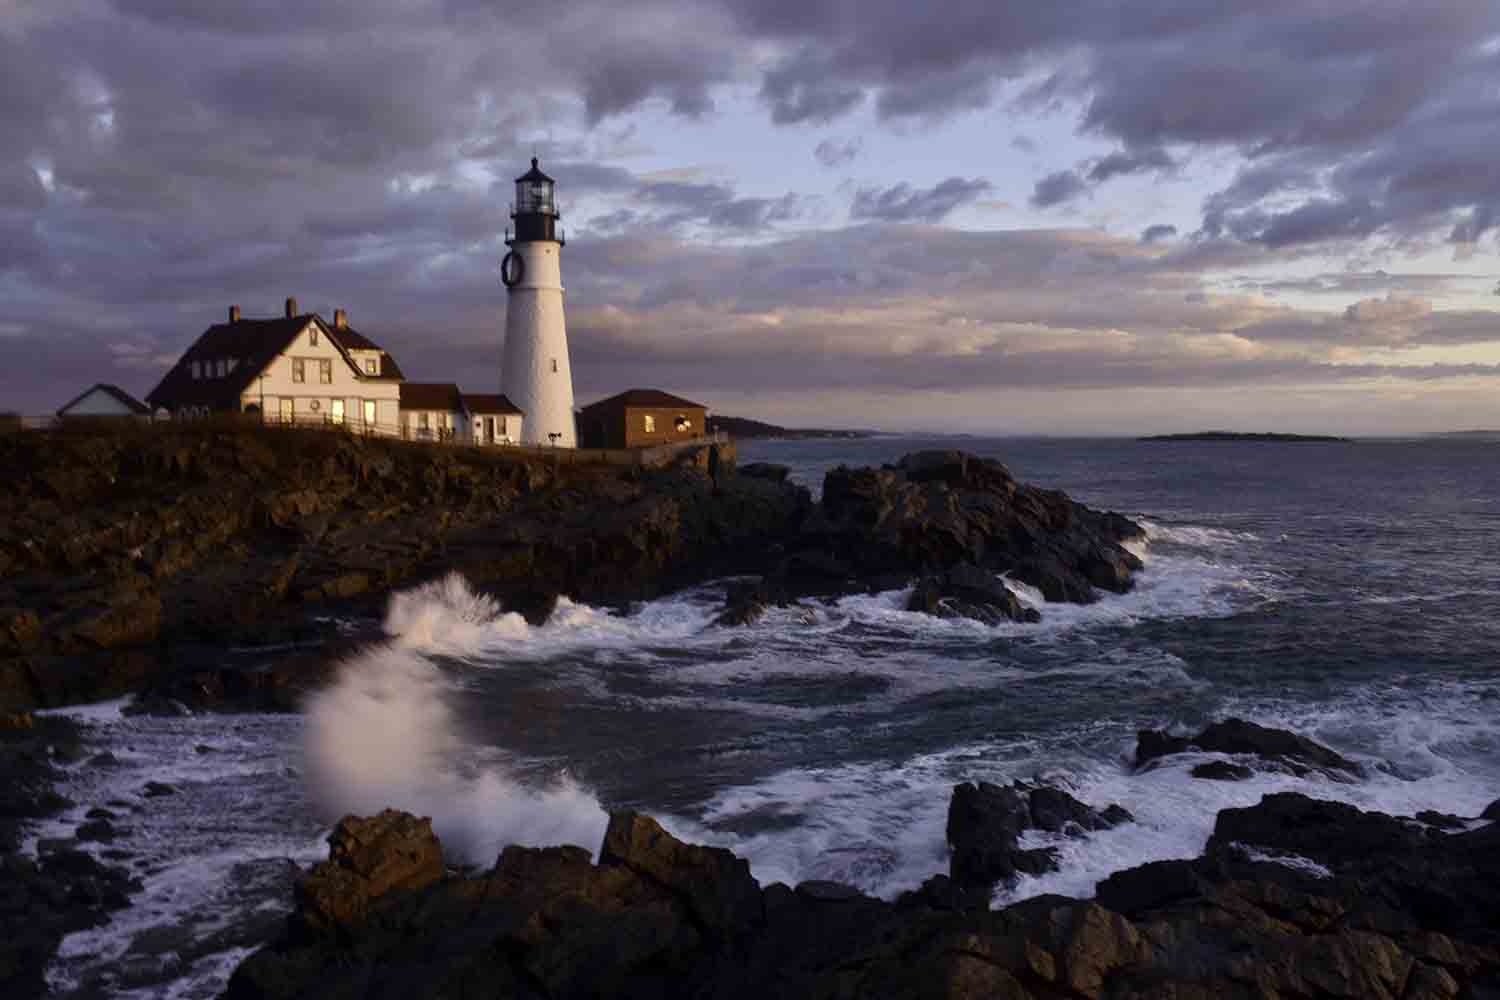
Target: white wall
{"points": [[536, 341], [507, 428], [276, 384]]}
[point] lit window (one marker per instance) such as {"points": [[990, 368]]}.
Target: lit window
{"points": [[299, 370], [325, 371], [372, 366], [650, 423], [287, 413], [312, 336], [682, 424]]}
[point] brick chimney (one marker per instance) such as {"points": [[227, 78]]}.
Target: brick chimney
{"points": [[291, 307], [340, 319], [234, 314]]}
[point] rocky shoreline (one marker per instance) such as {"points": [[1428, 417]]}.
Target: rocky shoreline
{"points": [[1292, 897], [207, 567], [207, 563]]}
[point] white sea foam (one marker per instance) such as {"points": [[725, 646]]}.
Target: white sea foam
{"points": [[383, 736]]}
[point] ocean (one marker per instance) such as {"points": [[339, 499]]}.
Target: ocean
{"points": [[1348, 591]]}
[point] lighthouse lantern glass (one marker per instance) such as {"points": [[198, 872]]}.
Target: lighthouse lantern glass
{"points": [[534, 196]]}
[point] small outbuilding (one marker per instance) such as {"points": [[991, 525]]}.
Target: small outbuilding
{"points": [[105, 400], [638, 418], [432, 411], [494, 418]]}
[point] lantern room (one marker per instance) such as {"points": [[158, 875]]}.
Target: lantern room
{"points": [[535, 209]]}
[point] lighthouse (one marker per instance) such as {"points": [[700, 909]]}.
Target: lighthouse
{"points": [[535, 373]]}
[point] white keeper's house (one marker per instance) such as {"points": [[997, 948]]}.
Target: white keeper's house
{"points": [[300, 369]]}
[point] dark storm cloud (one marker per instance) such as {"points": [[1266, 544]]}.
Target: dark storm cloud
{"points": [[903, 203], [1158, 233], [199, 154], [1056, 188], [1127, 162]]}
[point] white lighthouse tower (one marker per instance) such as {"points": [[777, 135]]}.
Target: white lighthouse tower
{"points": [[535, 372]]}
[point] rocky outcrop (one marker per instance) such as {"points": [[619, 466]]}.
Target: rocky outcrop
{"points": [[132, 556], [966, 591], [953, 523], [1274, 749], [63, 889], [934, 510], [1396, 911], [986, 821], [367, 860]]}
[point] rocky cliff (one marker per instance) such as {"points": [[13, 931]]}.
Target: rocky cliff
{"points": [[132, 555], [169, 558], [1293, 898]]}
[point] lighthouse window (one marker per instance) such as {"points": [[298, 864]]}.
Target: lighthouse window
{"points": [[650, 423], [554, 364]]}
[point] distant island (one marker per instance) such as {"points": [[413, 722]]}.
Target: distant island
{"points": [[1238, 436], [744, 427], [1476, 434]]}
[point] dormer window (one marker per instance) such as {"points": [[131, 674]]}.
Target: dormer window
{"points": [[312, 336], [372, 366]]}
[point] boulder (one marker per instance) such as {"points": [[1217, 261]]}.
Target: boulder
{"points": [[1286, 750], [966, 591], [716, 885], [367, 858], [1221, 770], [985, 823]]}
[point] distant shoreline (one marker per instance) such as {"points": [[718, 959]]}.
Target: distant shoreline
{"points": [[743, 428], [1239, 436]]}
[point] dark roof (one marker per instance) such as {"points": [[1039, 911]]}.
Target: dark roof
{"points": [[476, 402], [646, 397], [121, 396], [431, 396], [534, 174], [353, 340], [255, 342]]}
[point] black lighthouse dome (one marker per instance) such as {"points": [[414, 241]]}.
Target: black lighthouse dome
{"points": [[535, 210]]}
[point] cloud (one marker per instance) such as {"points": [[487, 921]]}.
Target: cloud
{"points": [[1158, 233], [903, 203], [1389, 311], [1121, 163], [1056, 188], [832, 153]]}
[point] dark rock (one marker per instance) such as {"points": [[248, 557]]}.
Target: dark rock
{"points": [[823, 891], [99, 812], [746, 602], [1289, 751], [101, 830], [985, 823], [156, 705], [105, 759], [966, 591], [1442, 821], [1491, 811], [545, 922], [157, 789], [367, 858], [716, 885], [1221, 770]]}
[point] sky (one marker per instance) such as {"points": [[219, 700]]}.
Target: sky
{"points": [[982, 216]]}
